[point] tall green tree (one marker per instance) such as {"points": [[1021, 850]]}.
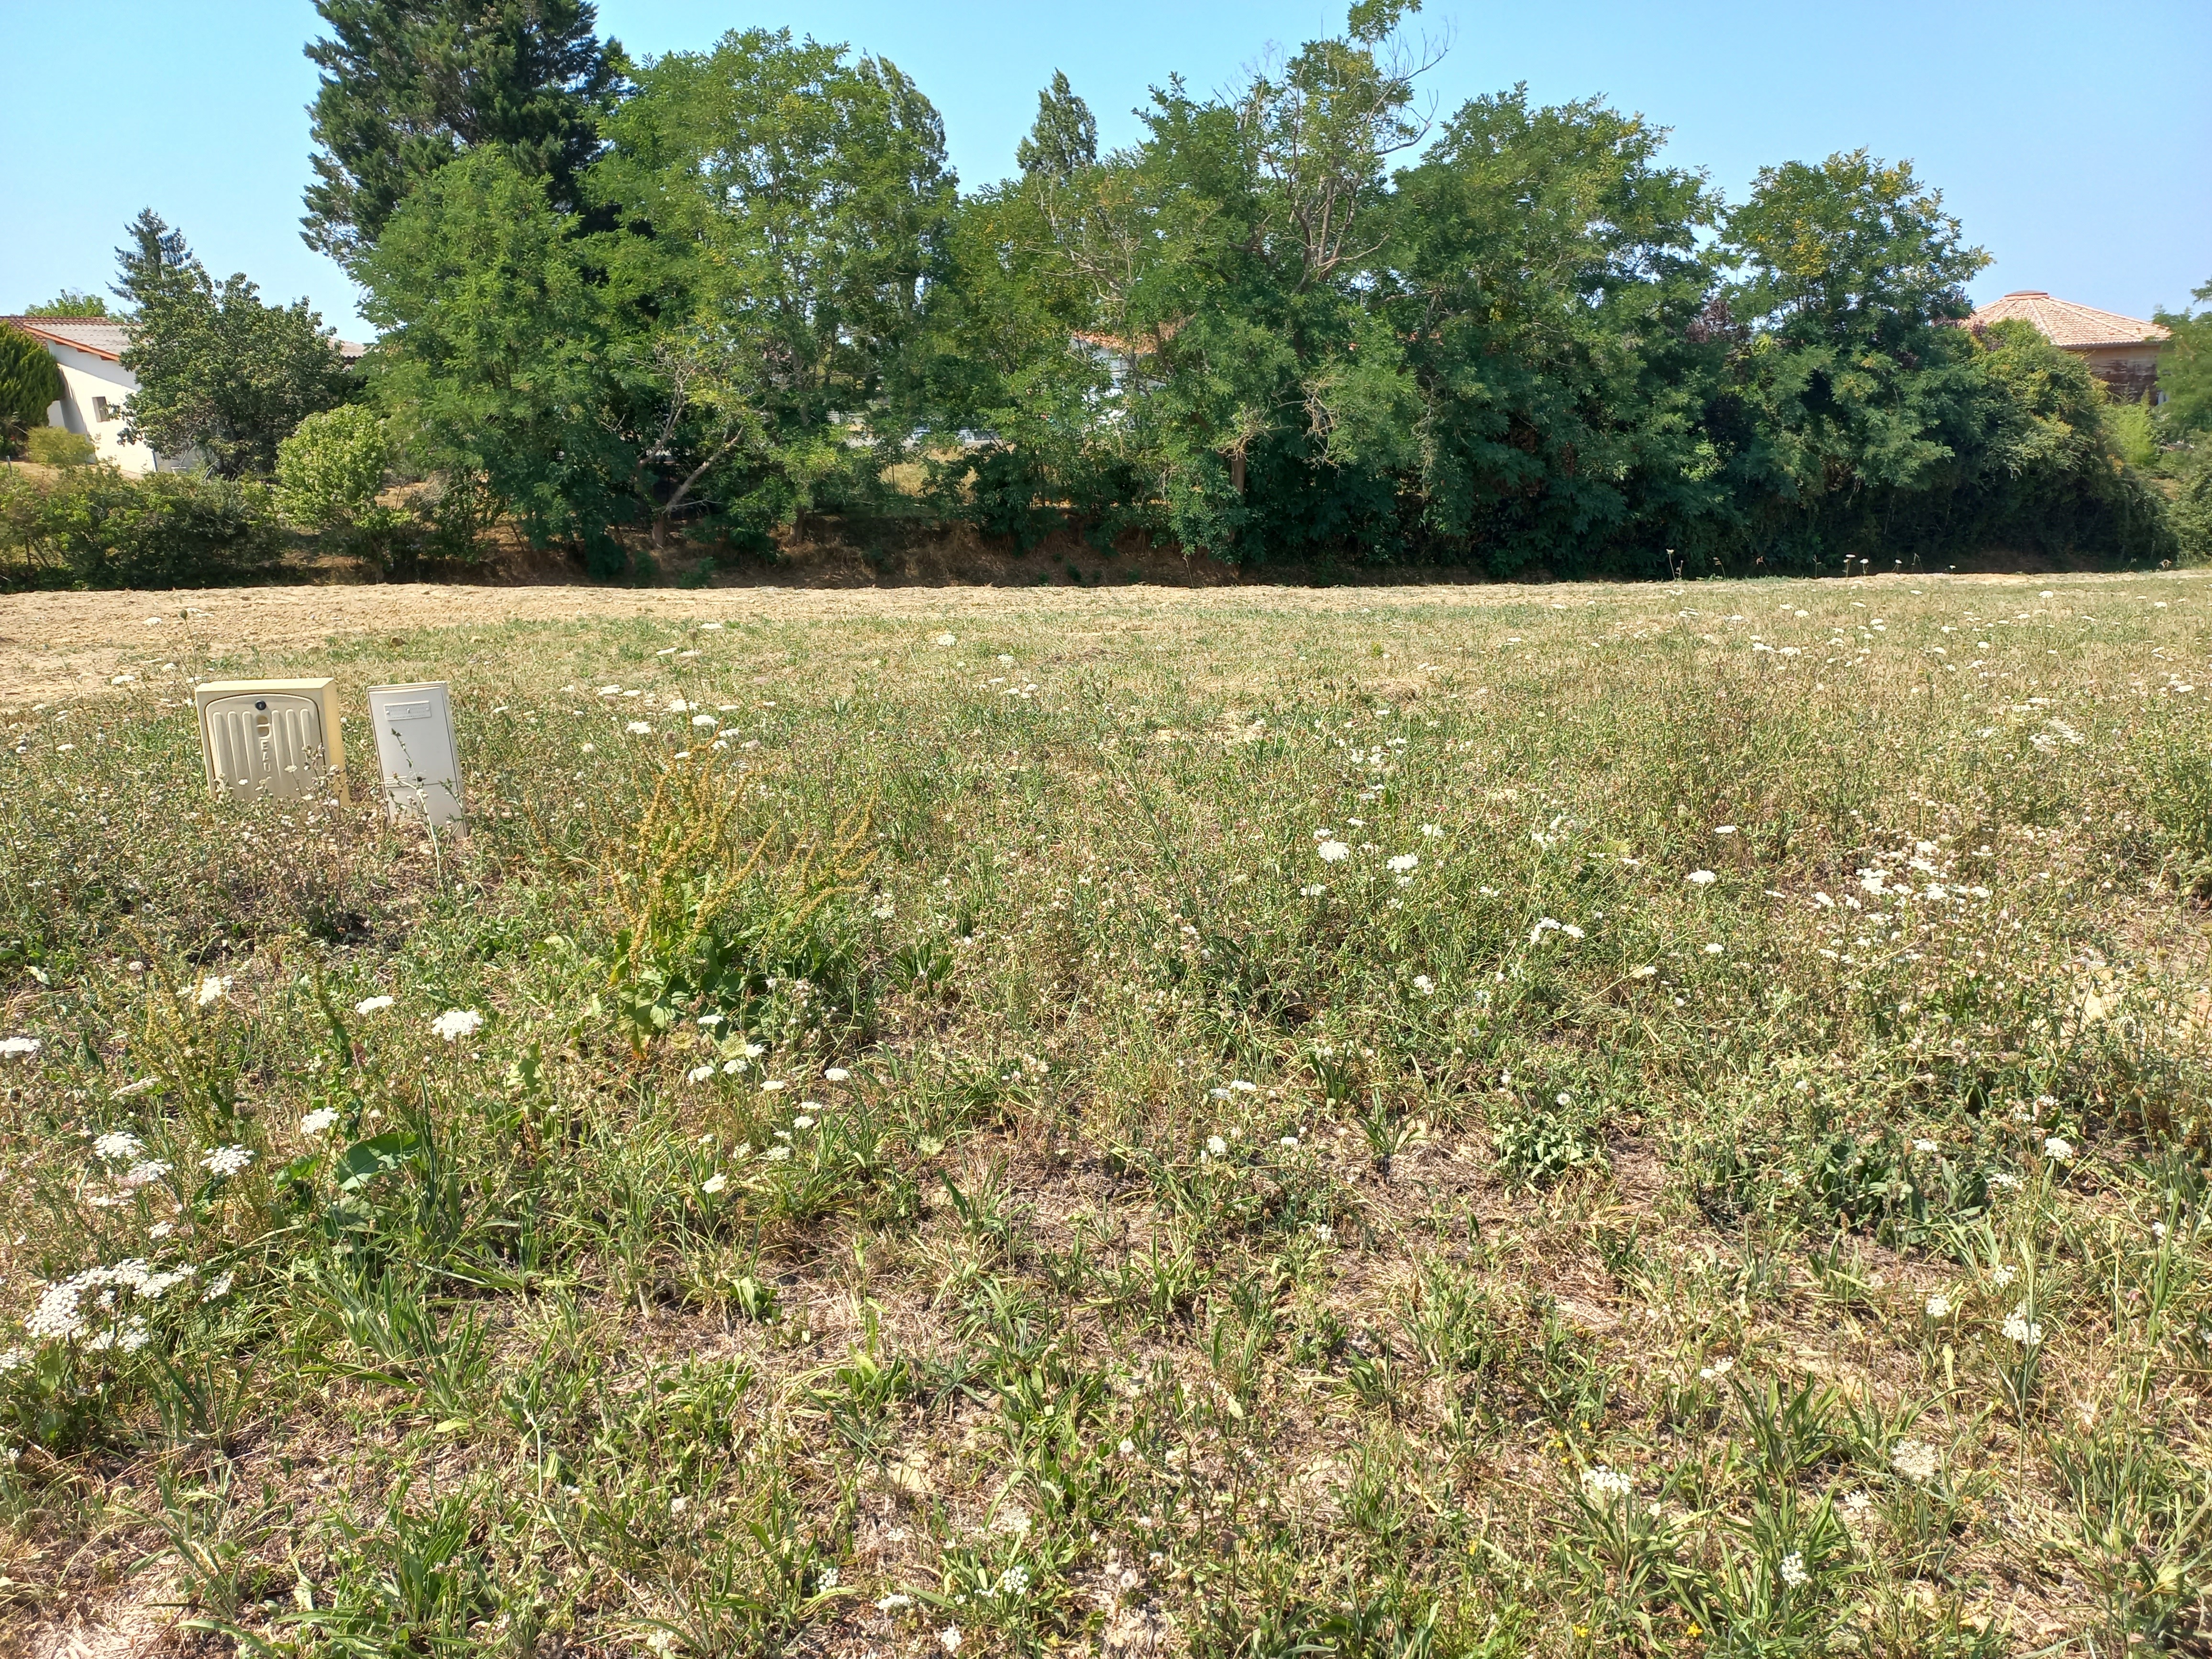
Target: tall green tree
{"points": [[1064, 139], [777, 203], [30, 384], [408, 85], [219, 371], [494, 354], [1545, 271], [2184, 369], [70, 302], [1853, 377]]}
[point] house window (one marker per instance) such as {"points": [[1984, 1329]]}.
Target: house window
{"points": [[102, 409]]}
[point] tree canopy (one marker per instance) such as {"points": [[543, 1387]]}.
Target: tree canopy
{"points": [[1308, 316]]}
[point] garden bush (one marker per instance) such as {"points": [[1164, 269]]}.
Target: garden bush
{"points": [[94, 527]]}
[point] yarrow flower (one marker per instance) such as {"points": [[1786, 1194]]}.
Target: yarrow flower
{"points": [[1402, 862], [456, 1023], [144, 1174], [1915, 1459], [1939, 1306], [117, 1145], [1793, 1570], [1217, 1145], [1923, 1146], [2058, 1151], [949, 1637], [317, 1121], [1332, 852], [2003, 1274], [372, 1005], [639, 728], [227, 1160], [835, 1074], [213, 988], [1424, 985], [715, 1183]]}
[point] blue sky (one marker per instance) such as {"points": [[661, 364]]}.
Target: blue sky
{"points": [[2076, 146]]}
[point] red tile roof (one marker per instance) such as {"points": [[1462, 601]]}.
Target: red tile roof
{"points": [[103, 336], [109, 337], [2066, 324]]}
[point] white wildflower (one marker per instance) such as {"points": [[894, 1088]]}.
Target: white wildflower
{"points": [[18, 1048], [456, 1023], [1608, 1484], [639, 728], [893, 1602], [1793, 1570], [213, 988], [2001, 1179], [2058, 1151], [1332, 852], [2003, 1274], [1399, 863], [1424, 985], [1701, 878], [2018, 1328], [776, 1154], [1719, 1369], [1923, 1146], [1216, 1146], [317, 1121], [835, 1074], [715, 1183], [227, 1160], [949, 1637], [1915, 1459], [117, 1145], [144, 1174], [1014, 1580], [700, 1073], [1939, 1306], [376, 1005], [705, 720]]}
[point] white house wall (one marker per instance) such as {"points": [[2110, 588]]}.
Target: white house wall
{"points": [[87, 376]]}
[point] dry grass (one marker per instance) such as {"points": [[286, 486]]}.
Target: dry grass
{"points": [[1166, 1239]]}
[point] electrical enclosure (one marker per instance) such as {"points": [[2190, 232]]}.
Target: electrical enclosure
{"points": [[415, 753], [279, 738]]}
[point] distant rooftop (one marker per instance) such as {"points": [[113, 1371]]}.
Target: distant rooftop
{"points": [[2063, 323], [108, 337]]}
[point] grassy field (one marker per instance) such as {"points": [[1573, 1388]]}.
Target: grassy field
{"points": [[1657, 1121]]}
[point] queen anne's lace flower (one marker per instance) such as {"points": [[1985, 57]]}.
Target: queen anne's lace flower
{"points": [[317, 1121], [372, 1005], [227, 1160], [1915, 1459], [456, 1023], [118, 1146], [18, 1048]]}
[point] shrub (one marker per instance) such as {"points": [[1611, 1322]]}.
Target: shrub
{"points": [[55, 446], [93, 527], [329, 470], [2191, 512]]}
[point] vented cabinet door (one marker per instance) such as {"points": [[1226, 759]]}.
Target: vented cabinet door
{"points": [[269, 744]]}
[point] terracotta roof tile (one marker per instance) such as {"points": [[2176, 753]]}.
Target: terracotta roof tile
{"points": [[2066, 324], [103, 336]]}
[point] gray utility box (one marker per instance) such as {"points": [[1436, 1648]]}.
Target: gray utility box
{"points": [[275, 737], [415, 753]]}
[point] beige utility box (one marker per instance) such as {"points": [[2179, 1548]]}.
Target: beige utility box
{"points": [[275, 737]]}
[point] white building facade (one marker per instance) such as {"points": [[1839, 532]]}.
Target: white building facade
{"points": [[88, 351]]}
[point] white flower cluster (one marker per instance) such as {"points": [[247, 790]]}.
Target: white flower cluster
{"points": [[227, 1160], [456, 1023], [18, 1048], [1793, 1570], [118, 1146], [2020, 1328], [1608, 1484], [1915, 1459], [61, 1315]]}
